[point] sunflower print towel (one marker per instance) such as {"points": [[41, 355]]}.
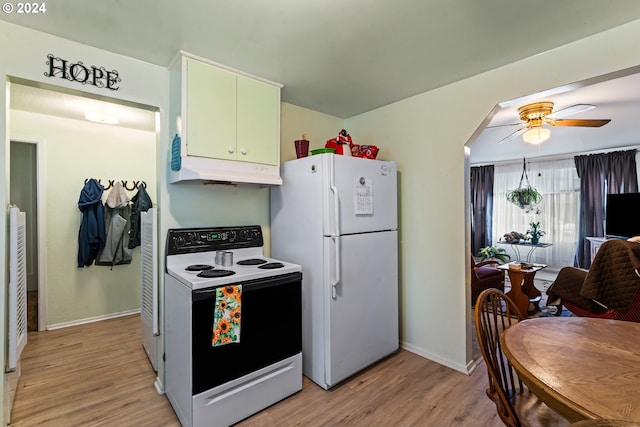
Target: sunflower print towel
{"points": [[227, 315]]}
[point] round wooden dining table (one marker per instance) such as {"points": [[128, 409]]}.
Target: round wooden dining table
{"points": [[583, 368]]}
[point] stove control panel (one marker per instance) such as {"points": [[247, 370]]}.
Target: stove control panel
{"points": [[189, 240]]}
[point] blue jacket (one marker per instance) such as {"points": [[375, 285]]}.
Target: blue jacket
{"points": [[91, 236], [141, 202]]}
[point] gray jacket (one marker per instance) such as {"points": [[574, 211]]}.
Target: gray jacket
{"points": [[117, 223]]}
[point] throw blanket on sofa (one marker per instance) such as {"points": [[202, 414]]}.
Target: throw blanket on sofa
{"points": [[613, 278], [611, 282]]}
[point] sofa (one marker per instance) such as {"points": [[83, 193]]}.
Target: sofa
{"points": [[485, 275], [610, 289]]}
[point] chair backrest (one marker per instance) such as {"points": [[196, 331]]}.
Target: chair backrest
{"points": [[495, 312]]}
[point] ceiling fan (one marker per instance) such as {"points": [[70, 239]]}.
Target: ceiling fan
{"points": [[537, 114]]}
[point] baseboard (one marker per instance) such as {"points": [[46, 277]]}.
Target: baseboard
{"points": [[445, 362], [92, 319]]}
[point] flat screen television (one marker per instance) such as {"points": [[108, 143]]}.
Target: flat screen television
{"points": [[622, 215]]}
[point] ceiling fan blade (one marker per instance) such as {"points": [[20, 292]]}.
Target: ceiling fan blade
{"points": [[512, 134], [507, 125], [594, 123], [574, 109]]}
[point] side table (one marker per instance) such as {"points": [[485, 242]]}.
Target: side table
{"points": [[515, 246], [523, 292]]}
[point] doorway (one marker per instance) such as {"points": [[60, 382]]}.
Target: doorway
{"points": [[608, 97], [122, 152]]}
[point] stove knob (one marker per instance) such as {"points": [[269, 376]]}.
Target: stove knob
{"points": [[179, 241], [255, 235], [243, 235], [232, 235]]}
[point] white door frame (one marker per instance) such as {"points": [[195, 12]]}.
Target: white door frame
{"points": [[41, 224]]}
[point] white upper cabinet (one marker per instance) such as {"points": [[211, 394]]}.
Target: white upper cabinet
{"points": [[258, 120], [230, 124], [210, 111]]}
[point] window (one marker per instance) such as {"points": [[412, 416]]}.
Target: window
{"points": [[558, 182]]}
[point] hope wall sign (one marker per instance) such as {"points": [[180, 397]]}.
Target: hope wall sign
{"points": [[78, 72]]}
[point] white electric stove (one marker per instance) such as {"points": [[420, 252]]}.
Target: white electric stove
{"points": [[218, 385]]}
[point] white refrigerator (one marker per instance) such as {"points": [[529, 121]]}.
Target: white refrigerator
{"points": [[337, 217]]}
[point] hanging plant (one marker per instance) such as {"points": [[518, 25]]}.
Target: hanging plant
{"points": [[525, 196]]}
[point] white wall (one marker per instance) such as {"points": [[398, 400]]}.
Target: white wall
{"points": [[75, 151], [426, 135], [296, 120]]}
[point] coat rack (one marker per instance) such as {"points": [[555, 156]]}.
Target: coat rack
{"points": [[135, 184]]}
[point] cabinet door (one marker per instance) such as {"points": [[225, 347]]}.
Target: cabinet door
{"points": [[211, 111], [258, 121]]}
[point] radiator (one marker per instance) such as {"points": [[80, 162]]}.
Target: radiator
{"points": [[149, 303], [17, 331]]}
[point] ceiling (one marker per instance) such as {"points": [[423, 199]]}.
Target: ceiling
{"points": [[333, 56], [344, 58], [615, 97], [68, 105]]}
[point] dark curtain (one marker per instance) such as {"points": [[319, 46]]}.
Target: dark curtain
{"points": [[600, 174], [481, 206], [622, 176]]}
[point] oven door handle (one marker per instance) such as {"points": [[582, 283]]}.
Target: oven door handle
{"points": [[250, 285], [336, 281]]}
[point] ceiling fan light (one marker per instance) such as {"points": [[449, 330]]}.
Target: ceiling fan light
{"points": [[536, 135]]}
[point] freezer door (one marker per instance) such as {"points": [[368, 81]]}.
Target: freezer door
{"points": [[366, 195], [362, 302]]}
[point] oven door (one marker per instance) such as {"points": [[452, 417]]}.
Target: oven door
{"points": [[270, 330]]}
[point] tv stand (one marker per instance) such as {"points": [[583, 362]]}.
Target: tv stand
{"points": [[595, 243]]}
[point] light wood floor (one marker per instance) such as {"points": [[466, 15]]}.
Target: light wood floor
{"points": [[89, 375], [98, 375]]}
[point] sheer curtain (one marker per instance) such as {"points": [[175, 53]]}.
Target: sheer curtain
{"points": [[558, 182]]}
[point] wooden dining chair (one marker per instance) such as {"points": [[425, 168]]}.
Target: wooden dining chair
{"points": [[516, 406]]}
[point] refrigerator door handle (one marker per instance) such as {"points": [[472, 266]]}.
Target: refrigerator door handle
{"points": [[336, 281], [336, 198]]}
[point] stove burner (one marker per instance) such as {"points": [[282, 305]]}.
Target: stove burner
{"points": [[211, 273], [252, 261], [272, 265], [199, 267]]}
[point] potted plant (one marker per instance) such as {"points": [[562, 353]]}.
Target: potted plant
{"points": [[534, 233], [491, 252], [524, 197]]}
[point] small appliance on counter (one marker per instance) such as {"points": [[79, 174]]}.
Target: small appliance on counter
{"points": [[224, 359]]}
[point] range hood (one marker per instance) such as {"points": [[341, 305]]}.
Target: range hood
{"points": [[194, 168]]}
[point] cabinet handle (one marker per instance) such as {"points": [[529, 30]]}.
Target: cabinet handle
{"points": [[243, 151], [231, 149]]}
